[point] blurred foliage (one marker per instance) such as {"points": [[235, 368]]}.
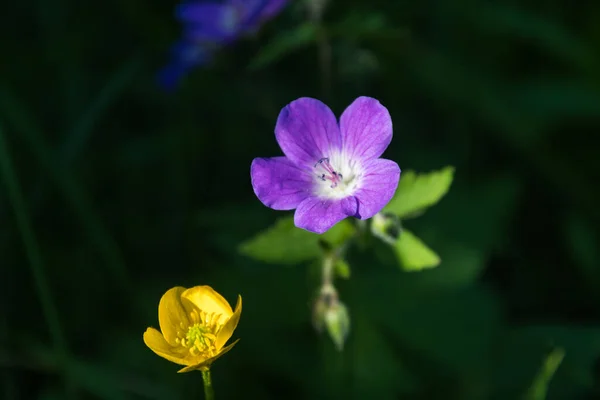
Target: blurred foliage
{"points": [[117, 191]]}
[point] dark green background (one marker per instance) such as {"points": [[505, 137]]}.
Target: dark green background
{"points": [[131, 190]]}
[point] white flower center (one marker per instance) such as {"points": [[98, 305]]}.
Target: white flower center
{"points": [[336, 177]]}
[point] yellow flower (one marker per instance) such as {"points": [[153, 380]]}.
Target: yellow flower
{"points": [[195, 323]]}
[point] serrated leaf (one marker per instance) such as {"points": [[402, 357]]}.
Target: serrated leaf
{"points": [[416, 192], [284, 243], [413, 254], [284, 43]]}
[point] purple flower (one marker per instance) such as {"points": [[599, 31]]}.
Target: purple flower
{"points": [[210, 24], [330, 171]]}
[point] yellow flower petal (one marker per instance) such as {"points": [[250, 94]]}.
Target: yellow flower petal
{"points": [[227, 330], [207, 300], [207, 363], [157, 343], [172, 316]]}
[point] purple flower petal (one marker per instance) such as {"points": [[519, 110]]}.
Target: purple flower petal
{"points": [[378, 186], [366, 128], [272, 8], [255, 12], [319, 215], [278, 183], [307, 131], [200, 13]]}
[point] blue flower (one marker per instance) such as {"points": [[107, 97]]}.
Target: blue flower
{"points": [[208, 25], [185, 56]]}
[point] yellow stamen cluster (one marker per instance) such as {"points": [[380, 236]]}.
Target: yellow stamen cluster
{"points": [[199, 337]]}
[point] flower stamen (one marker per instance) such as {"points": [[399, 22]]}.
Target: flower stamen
{"points": [[330, 174], [201, 335]]}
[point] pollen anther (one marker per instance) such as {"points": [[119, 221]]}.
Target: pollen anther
{"points": [[331, 174]]}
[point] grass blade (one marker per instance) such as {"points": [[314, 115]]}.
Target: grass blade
{"points": [[33, 253], [23, 122]]}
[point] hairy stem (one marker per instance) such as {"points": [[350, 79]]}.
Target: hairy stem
{"points": [[209, 393]]}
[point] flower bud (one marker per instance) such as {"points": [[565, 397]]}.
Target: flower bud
{"points": [[386, 226], [337, 321], [327, 296]]}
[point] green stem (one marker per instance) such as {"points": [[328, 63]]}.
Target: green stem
{"points": [[330, 258], [209, 393], [327, 271], [34, 255]]}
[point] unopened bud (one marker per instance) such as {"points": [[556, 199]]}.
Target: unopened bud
{"points": [[326, 297], [386, 226], [337, 321]]}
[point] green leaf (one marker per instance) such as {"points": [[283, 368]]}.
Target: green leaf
{"points": [[414, 255], [285, 43], [416, 192], [337, 235], [284, 243]]}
